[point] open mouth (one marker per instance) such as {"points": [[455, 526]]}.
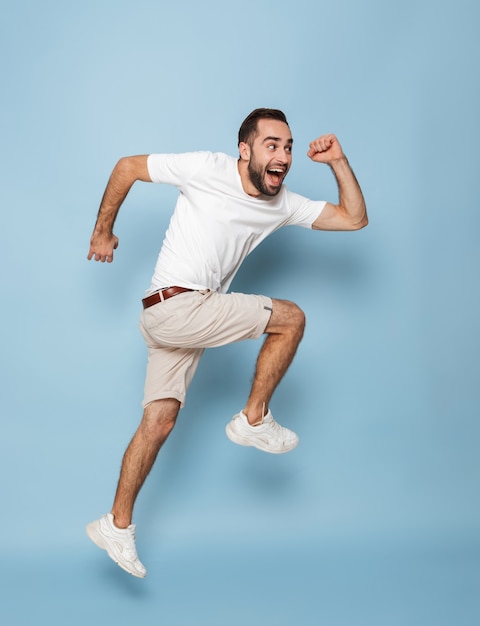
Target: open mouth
{"points": [[276, 175]]}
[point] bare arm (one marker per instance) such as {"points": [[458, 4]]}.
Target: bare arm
{"points": [[351, 212], [128, 170]]}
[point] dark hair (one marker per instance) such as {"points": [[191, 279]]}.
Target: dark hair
{"points": [[248, 129]]}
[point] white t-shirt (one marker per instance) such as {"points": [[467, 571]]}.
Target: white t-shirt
{"points": [[215, 224]]}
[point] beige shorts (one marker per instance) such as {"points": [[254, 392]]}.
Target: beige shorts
{"points": [[177, 331]]}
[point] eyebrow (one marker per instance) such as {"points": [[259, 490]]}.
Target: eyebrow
{"points": [[276, 139]]}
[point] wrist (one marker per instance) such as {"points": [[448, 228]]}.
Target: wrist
{"points": [[341, 161], [102, 229]]}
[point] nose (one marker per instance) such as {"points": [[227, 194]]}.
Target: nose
{"points": [[284, 156]]}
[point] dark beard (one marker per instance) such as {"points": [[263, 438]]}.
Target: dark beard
{"points": [[256, 176]]}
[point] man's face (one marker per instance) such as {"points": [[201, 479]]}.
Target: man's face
{"points": [[270, 156]]}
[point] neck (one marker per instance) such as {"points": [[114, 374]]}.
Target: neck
{"points": [[247, 185]]}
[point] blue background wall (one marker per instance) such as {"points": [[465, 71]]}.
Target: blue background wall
{"points": [[374, 519]]}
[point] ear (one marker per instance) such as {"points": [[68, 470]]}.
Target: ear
{"points": [[244, 150]]}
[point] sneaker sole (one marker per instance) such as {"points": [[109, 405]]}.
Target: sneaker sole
{"points": [[97, 539], [260, 445]]}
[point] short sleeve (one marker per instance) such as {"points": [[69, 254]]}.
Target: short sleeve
{"points": [[303, 211], [175, 169]]}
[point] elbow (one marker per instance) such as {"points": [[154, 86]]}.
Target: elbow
{"points": [[124, 166], [355, 222], [353, 217], [361, 224], [122, 172], [361, 218], [133, 168]]}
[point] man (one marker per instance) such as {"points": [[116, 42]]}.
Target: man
{"points": [[226, 207]]}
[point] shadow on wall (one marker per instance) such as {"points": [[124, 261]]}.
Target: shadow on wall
{"points": [[293, 260]]}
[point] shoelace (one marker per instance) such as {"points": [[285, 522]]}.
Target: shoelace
{"points": [[130, 547], [272, 425]]}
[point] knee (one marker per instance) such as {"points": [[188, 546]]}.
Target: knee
{"points": [[287, 318], [298, 319], [295, 317], [299, 316], [160, 416]]}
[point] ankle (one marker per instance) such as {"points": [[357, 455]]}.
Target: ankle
{"points": [[120, 522], [255, 417]]}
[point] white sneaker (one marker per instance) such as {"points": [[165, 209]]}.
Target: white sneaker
{"points": [[267, 436], [118, 542]]}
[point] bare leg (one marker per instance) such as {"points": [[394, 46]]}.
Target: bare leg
{"points": [[158, 421], [285, 331]]}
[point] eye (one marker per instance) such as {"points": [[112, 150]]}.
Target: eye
{"points": [[271, 146], [288, 149]]}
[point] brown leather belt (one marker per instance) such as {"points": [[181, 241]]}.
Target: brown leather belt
{"points": [[163, 294]]}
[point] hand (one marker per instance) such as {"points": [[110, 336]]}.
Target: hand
{"points": [[325, 149], [102, 247]]}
